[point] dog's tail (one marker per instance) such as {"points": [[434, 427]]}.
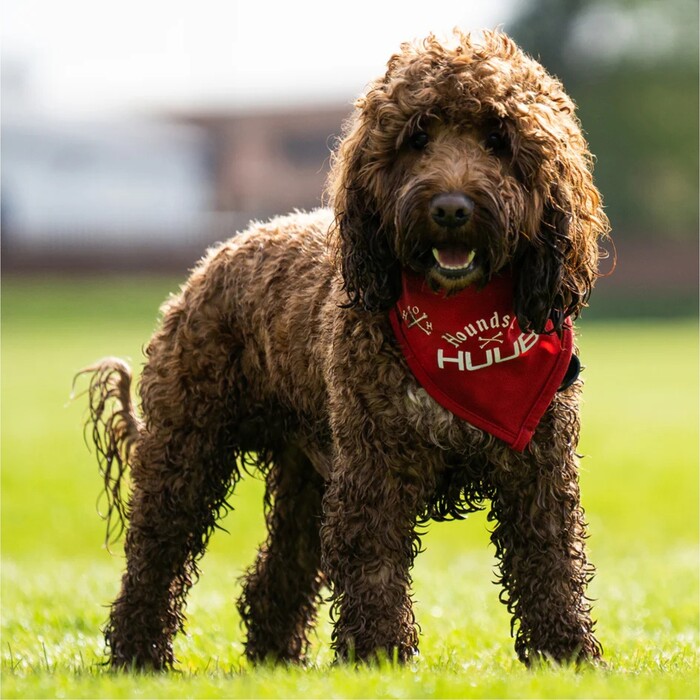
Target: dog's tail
{"points": [[114, 427]]}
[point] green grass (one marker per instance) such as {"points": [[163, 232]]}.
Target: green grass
{"points": [[639, 482]]}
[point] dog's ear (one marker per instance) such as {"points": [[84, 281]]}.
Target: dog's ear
{"points": [[557, 265], [361, 245]]}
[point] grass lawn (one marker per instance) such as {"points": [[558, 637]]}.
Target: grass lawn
{"points": [[640, 489]]}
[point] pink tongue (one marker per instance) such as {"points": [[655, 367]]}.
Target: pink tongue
{"points": [[454, 256]]}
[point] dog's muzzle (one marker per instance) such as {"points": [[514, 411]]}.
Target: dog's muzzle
{"points": [[453, 259]]}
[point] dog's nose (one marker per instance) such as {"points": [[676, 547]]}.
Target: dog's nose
{"points": [[451, 209]]}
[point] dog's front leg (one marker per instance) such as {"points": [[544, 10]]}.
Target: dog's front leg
{"points": [[539, 538], [369, 542], [381, 478]]}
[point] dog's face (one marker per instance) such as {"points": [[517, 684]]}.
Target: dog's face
{"points": [[461, 160], [454, 201]]}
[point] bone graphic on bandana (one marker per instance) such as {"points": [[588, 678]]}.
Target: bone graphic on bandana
{"points": [[416, 320], [483, 342]]}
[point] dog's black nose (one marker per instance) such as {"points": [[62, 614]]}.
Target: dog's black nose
{"points": [[451, 209]]}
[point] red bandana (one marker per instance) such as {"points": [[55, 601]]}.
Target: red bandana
{"points": [[469, 354]]}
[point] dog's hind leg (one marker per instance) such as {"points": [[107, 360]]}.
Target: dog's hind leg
{"points": [[172, 511], [182, 466], [281, 590]]}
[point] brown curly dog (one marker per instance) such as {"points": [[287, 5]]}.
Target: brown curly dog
{"points": [[462, 164]]}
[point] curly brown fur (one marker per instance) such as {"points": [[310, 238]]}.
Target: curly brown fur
{"points": [[281, 590], [535, 199], [278, 355], [113, 432]]}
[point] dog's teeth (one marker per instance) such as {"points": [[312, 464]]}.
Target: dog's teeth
{"points": [[466, 262], [470, 257]]}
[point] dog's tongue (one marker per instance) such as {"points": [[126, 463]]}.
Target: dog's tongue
{"points": [[454, 256]]}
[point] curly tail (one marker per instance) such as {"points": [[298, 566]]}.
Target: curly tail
{"points": [[115, 429]]}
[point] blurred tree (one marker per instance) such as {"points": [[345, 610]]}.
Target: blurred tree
{"points": [[632, 67]]}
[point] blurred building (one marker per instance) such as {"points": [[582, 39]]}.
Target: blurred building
{"points": [[270, 162], [151, 194], [74, 191], [147, 195]]}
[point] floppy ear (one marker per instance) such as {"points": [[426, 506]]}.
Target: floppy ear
{"points": [[361, 245], [558, 265]]}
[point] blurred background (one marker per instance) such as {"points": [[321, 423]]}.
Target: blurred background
{"points": [[134, 135]]}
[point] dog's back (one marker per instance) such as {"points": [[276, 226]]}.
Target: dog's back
{"points": [[251, 320]]}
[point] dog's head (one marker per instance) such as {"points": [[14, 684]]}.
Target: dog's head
{"points": [[461, 160]]}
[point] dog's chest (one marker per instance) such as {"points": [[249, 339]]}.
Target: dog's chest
{"points": [[433, 422]]}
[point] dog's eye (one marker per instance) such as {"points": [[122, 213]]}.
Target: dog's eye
{"points": [[496, 142], [419, 140]]}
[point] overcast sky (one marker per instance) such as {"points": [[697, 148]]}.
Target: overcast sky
{"points": [[101, 57]]}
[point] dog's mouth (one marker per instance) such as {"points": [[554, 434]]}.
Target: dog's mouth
{"points": [[454, 266], [454, 261]]}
